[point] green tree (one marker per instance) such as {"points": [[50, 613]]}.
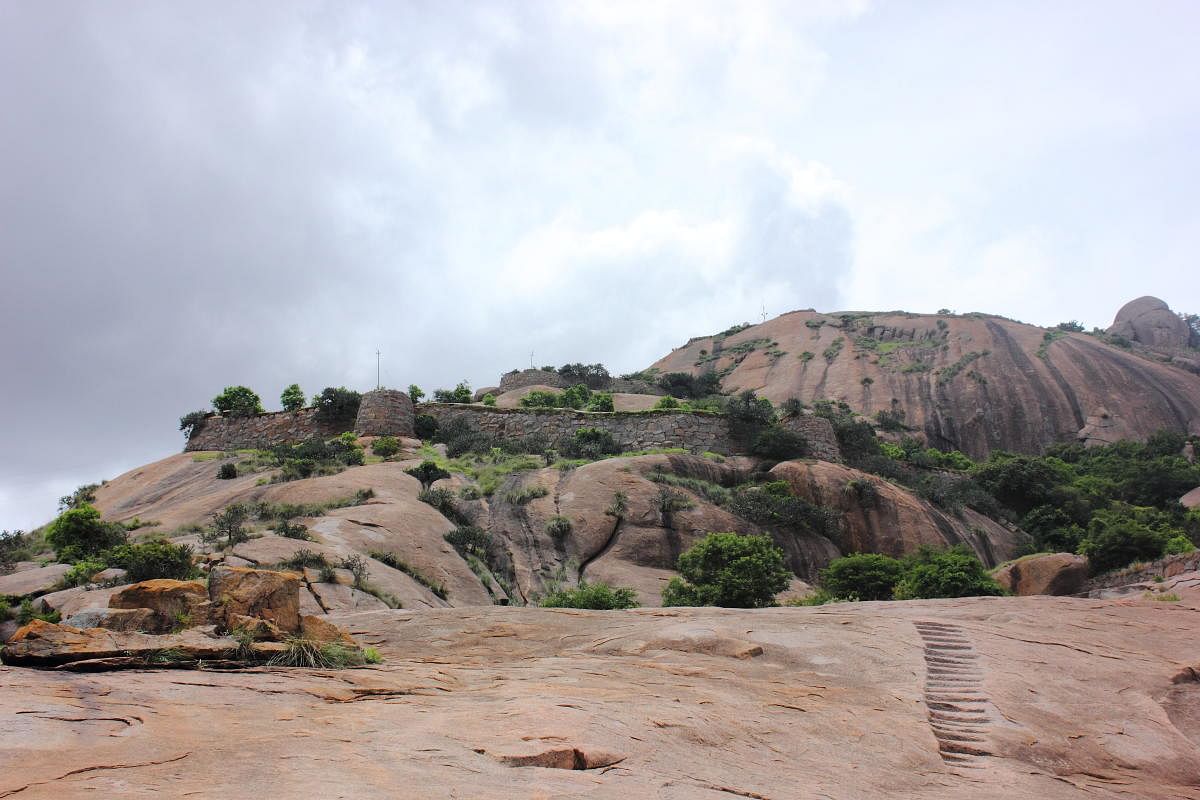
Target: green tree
{"points": [[730, 570], [414, 393], [955, 572], [1119, 535], [226, 528], [292, 398], [150, 560], [862, 576], [79, 533], [427, 472], [337, 406], [238, 401], [779, 444], [192, 422]]}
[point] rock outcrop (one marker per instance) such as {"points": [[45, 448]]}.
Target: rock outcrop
{"points": [[971, 382], [1047, 573], [1151, 322]]}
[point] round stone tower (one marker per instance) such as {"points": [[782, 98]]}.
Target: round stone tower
{"points": [[385, 412]]}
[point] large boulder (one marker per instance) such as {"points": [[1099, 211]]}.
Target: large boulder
{"points": [[47, 644], [1050, 573], [264, 594], [127, 620], [1150, 321], [1191, 499]]}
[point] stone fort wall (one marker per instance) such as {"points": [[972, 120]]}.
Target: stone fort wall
{"points": [[391, 412]]}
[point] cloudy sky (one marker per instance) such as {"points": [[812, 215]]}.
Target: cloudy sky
{"points": [[201, 194]]}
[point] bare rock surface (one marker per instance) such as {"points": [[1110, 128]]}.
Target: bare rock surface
{"points": [[990, 698], [1151, 322], [1046, 573], [1191, 499], [35, 581]]}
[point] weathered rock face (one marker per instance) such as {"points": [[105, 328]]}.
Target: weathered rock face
{"points": [[1150, 321], [169, 598], [32, 581], [971, 382], [384, 412], [689, 704], [1050, 573], [262, 594], [887, 519]]}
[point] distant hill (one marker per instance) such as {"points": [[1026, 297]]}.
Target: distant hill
{"points": [[972, 382]]}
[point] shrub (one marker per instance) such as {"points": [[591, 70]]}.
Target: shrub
{"points": [[748, 415], [591, 443], [619, 506], [460, 436], [944, 573], [459, 394], [385, 446], [1178, 544], [779, 444], [226, 529], [16, 546], [600, 401], [317, 655], [684, 384], [891, 420], [192, 422], [519, 497], [357, 567], [864, 490], [667, 403], [81, 573], [292, 398], [337, 406], [862, 576], [469, 540], [238, 401], [489, 399], [305, 559], [596, 596], [427, 472], [415, 394], [668, 502], [558, 527], [1121, 535], [730, 570], [593, 376], [424, 426], [79, 533], [227, 471], [26, 614], [773, 505], [150, 560], [290, 530]]}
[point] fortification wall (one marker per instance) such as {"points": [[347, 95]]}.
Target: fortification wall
{"points": [[1167, 567], [260, 432], [385, 412], [633, 431], [822, 441]]}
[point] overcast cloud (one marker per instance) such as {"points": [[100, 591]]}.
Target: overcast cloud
{"points": [[201, 194]]}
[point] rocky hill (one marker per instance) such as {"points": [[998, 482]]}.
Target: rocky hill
{"points": [[971, 382]]}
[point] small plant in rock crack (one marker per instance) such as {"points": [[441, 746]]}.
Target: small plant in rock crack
{"points": [[619, 506], [559, 527], [357, 567]]}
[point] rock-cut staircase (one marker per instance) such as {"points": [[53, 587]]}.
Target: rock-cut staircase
{"points": [[954, 696]]}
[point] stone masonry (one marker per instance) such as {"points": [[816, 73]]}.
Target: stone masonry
{"points": [[385, 412], [259, 432]]}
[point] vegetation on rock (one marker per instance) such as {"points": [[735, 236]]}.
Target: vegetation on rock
{"points": [[730, 570]]}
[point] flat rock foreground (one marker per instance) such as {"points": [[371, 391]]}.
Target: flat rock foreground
{"points": [[976, 698]]}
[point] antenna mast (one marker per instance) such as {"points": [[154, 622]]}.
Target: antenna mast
{"points": [[378, 384]]}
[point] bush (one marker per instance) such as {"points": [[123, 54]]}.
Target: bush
{"points": [[593, 376], [460, 436], [667, 403], [592, 443], [238, 401], [730, 570], [1121, 535], [945, 573], [337, 406], [415, 393], [748, 415], [227, 471], [292, 398], [686, 385], [595, 596], [156, 559], [443, 501], [459, 394], [427, 472], [489, 399], [385, 446], [470, 540], [79, 533], [862, 576], [773, 506], [424, 427], [16, 546], [291, 530], [779, 444], [600, 401], [81, 573]]}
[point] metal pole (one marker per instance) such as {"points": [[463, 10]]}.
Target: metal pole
{"points": [[378, 384]]}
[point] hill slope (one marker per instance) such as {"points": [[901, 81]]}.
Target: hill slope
{"points": [[975, 383]]}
